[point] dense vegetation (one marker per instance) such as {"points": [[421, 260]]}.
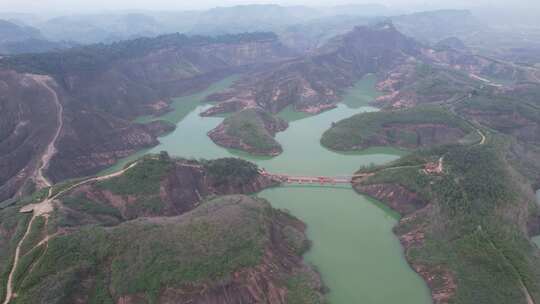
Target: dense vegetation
{"points": [[148, 188], [143, 178], [435, 84], [98, 56], [301, 292], [388, 127], [516, 113], [12, 227], [83, 210], [101, 255], [474, 227], [194, 251], [230, 170], [144, 256], [505, 110], [254, 129]]}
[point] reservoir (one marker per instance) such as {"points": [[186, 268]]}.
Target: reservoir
{"points": [[354, 249]]}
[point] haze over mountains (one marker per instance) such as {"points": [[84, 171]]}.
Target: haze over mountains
{"points": [[81, 92], [102, 87], [15, 38], [316, 24], [92, 28]]}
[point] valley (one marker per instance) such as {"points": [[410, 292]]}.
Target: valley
{"points": [[329, 212], [151, 170]]}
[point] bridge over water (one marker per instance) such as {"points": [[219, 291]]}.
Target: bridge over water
{"points": [[306, 179]]}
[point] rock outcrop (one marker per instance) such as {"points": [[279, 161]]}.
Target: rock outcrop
{"points": [[451, 219], [316, 82], [396, 196], [178, 186], [412, 207]]}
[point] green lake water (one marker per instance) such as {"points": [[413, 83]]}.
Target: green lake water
{"points": [[536, 239], [360, 259]]}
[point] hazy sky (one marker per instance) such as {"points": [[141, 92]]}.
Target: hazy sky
{"points": [[36, 6]]}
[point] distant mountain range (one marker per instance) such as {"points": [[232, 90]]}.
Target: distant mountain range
{"points": [[71, 113], [316, 23], [15, 39], [301, 28], [108, 27], [104, 86]]}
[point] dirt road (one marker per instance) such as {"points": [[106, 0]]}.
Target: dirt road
{"points": [[44, 208], [39, 177]]}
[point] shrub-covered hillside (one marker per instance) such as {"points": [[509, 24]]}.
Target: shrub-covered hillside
{"points": [[469, 239], [194, 257], [162, 230], [410, 128], [251, 130]]}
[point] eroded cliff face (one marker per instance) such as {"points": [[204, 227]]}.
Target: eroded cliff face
{"points": [[187, 185], [263, 283], [460, 221], [440, 279], [397, 197], [315, 83], [413, 210], [182, 186]]}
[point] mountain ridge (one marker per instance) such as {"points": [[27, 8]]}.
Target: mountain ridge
{"points": [[104, 87]]}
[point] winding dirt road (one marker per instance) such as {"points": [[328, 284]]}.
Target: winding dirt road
{"points": [[44, 208], [9, 286], [483, 140], [39, 177]]}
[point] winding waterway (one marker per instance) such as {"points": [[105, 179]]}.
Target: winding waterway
{"points": [[359, 257]]}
